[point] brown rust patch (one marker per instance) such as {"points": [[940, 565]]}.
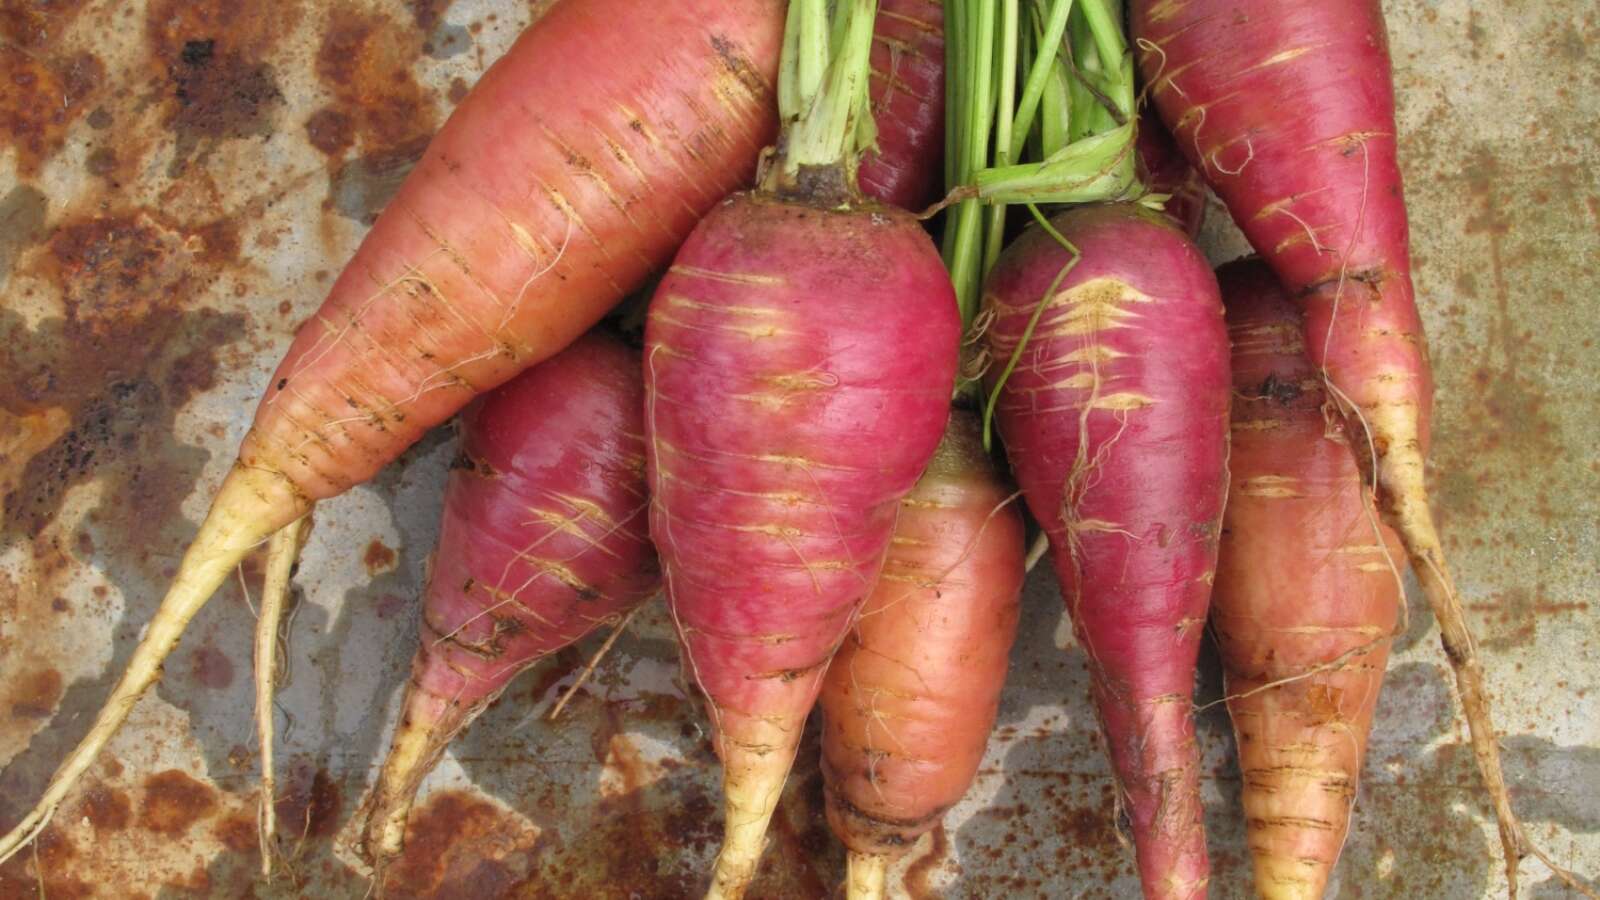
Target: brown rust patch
{"points": [[174, 801], [330, 131], [36, 25], [212, 55], [48, 869], [34, 696], [39, 98], [379, 558], [104, 381], [211, 668], [428, 13], [309, 803], [458, 844], [107, 808], [918, 878], [551, 671], [237, 833], [365, 61]]}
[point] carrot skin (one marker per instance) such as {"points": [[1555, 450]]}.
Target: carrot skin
{"points": [[1317, 193], [1115, 422], [543, 539], [907, 91], [524, 222], [911, 697], [1307, 577], [798, 370]]}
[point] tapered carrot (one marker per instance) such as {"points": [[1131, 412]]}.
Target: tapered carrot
{"points": [[1115, 420], [799, 359], [576, 166], [907, 92], [543, 540], [1307, 595]]}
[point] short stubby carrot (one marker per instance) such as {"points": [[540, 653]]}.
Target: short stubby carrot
{"points": [[1115, 420], [907, 93], [544, 538], [1287, 110], [912, 695], [1307, 596], [575, 166]]}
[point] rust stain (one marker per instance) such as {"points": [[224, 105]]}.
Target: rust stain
{"points": [[48, 870], [219, 86], [365, 61], [41, 94], [106, 378], [551, 672], [379, 558], [428, 13], [309, 802], [107, 808], [331, 131], [211, 668], [174, 801], [34, 696], [918, 883], [237, 833], [460, 845], [36, 25]]}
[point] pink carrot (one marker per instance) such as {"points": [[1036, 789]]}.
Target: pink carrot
{"points": [[907, 92], [799, 360], [1115, 419], [1164, 170], [543, 539]]}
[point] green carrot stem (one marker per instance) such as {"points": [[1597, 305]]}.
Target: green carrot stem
{"points": [[1094, 169], [995, 227], [827, 87], [1105, 25], [1039, 73]]}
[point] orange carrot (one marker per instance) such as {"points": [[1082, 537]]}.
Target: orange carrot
{"points": [[912, 695], [1307, 595]]}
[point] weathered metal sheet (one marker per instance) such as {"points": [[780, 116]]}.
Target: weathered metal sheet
{"points": [[179, 181]]}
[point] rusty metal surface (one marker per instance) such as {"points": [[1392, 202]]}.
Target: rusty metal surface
{"points": [[179, 181]]}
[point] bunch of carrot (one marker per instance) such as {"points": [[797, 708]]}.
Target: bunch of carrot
{"points": [[802, 453]]}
